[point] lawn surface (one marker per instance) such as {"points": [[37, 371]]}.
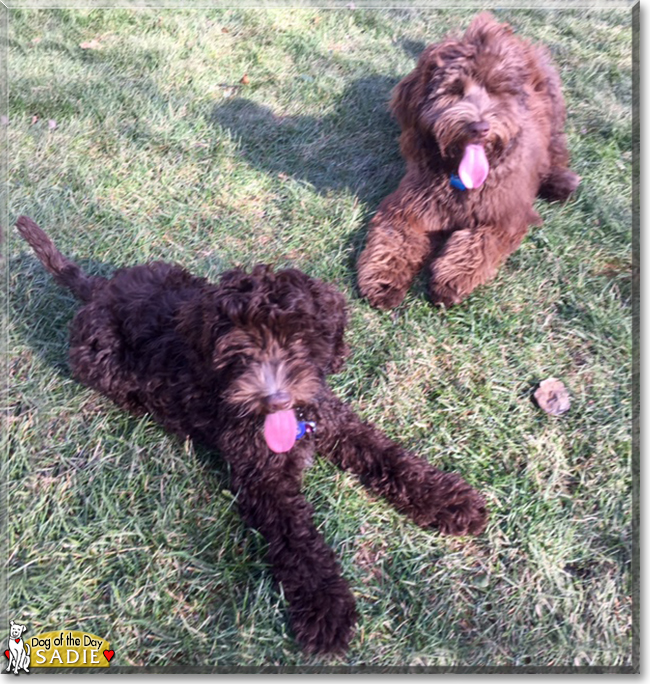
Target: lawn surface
{"points": [[131, 138]]}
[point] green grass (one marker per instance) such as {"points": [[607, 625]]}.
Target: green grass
{"points": [[119, 529]]}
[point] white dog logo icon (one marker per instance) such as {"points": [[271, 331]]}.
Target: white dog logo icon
{"points": [[18, 650]]}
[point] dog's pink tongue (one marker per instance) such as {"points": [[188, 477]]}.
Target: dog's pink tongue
{"points": [[280, 430], [474, 166]]}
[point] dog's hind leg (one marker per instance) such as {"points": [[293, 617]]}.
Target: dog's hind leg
{"points": [[97, 355], [321, 606], [559, 182], [396, 249], [430, 497]]}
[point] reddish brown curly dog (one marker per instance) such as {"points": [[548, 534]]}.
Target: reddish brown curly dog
{"points": [[482, 133], [240, 366]]}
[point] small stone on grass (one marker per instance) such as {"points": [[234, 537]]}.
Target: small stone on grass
{"points": [[553, 397]]}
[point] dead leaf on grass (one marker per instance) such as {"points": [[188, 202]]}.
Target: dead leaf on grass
{"points": [[553, 397], [34, 119], [244, 79], [51, 124]]}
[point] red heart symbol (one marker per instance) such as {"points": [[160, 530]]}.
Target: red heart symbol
{"points": [[109, 654], [7, 654], [17, 640]]}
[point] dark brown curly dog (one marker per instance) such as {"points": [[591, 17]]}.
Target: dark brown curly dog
{"points": [[482, 133], [240, 366]]}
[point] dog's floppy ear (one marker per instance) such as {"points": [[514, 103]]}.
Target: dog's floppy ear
{"points": [[411, 92], [404, 98], [330, 322], [408, 95]]}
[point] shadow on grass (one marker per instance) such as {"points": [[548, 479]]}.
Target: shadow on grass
{"points": [[353, 149], [41, 311]]}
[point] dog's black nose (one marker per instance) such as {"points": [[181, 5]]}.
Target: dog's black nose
{"points": [[479, 129], [278, 401]]}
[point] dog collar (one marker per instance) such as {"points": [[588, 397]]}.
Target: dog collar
{"points": [[456, 182], [305, 427]]}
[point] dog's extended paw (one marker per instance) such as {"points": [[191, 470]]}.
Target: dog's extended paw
{"points": [[441, 294], [383, 277], [324, 620], [383, 296], [451, 506], [463, 513]]}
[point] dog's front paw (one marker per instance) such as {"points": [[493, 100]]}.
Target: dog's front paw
{"points": [[451, 506], [384, 274], [442, 294], [324, 620], [382, 295], [462, 513]]}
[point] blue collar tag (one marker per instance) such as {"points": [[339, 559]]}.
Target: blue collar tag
{"points": [[305, 427], [456, 182]]}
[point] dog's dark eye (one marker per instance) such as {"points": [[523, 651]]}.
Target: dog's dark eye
{"points": [[494, 86], [501, 86], [457, 88]]}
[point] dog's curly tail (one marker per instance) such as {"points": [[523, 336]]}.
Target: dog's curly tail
{"points": [[65, 272]]}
